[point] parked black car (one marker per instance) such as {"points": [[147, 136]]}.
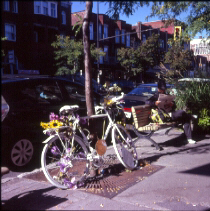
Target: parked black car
{"points": [[138, 96], [31, 100]]}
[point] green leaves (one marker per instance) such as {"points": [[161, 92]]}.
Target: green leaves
{"points": [[78, 24], [179, 59], [69, 55], [147, 55], [197, 20]]}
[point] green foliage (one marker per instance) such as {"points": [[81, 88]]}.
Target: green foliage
{"points": [[69, 55], [197, 20], [179, 59], [78, 25], [204, 120], [2, 51], [193, 95], [141, 59], [149, 53], [124, 7]]}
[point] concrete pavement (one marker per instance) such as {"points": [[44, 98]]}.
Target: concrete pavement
{"points": [[183, 183]]}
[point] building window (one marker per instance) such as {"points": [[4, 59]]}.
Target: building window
{"points": [[144, 38], [101, 58], [100, 31], [105, 31], [10, 32], [91, 31], [117, 38], [37, 7], [106, 51], [128, 40], [53, 10], [6, 5], [161, 43], [15, 7], [35, 36], [63, 17], [45, 8], [123, 36], [64, 3]]}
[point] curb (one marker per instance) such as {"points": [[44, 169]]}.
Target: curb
{"points": [[28, 173]]}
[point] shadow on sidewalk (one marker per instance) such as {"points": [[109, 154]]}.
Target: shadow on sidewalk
{"points": [[201, 170], [32, 200], [201, 149]]}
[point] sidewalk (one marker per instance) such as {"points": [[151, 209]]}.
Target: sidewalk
{"points": [[182, 184]]}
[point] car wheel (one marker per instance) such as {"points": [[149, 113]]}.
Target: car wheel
{"points": [[22, 152]]}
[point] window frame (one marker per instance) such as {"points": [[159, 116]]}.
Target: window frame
{"points": [[101, 59], [5, 32], [106, 51], [6, 5], [54, 10], [161, 43], [15, 7], [63, 14], [91, 31], [45, 8], [39, 5], [42, 6], [144, 38], [36, 37], [106, 30], [123, 36], [128, 40], [117, 38], [100, 31]]}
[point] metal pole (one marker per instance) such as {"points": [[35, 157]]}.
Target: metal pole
{"points": [[98, 78]]}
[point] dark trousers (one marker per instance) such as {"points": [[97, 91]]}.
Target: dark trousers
{"points": [[184, 118]]}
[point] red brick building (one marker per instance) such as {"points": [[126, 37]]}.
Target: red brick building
{"points": [[30, 28]]}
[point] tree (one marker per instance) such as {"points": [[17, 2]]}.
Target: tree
{"points": [[69, 55], [119, 6], [125, 56], [147, 55], [2, 51], [179, 59], [197, 21], [87, 59]]}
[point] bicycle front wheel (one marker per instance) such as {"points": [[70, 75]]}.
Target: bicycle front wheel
{"points": [[124, 147], [64, 162]]}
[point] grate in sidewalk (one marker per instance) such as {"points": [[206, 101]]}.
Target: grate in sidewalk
{"points": [[115, 179], [118, 180]]}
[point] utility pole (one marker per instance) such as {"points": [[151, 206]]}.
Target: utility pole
{"points": [[98, 77]]}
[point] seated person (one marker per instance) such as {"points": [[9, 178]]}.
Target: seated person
{"points": [[178, 116]]}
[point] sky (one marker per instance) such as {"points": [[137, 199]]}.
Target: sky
{"points": [[139, 14]]}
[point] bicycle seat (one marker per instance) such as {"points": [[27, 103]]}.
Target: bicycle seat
{"points": [[67, 108]]}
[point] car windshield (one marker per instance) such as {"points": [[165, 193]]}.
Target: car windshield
{"points": [[146, 90]]}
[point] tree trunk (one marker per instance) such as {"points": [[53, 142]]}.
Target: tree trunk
{"points": [[87, 56]]}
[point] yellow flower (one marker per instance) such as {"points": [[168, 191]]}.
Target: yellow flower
{"points": [[109, 102], [55, 124], [44, 125]]}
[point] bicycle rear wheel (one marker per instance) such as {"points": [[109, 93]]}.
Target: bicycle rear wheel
{"points": [[65, 166], [124, 147]]}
